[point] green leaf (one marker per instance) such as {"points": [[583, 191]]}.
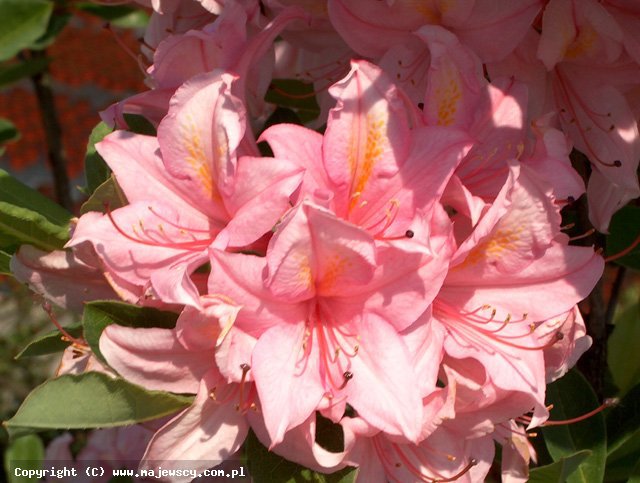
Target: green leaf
{"points": [[97, 171], [296, 95], [90, 400], [50, 343], [10, 73], [57, 23], [26, 216], [625, 340], [623, 436], [571, 397], [108, 193], [100, 314], [623, 230], [26, 453], [560, 470], [122, 16], [5, 260], [635, 474], [266, 467], [23, 22], [8, 131], [139, 124]]}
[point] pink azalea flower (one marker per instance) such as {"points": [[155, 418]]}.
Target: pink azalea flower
{"points": [[515, 268], [578, 71], [371, 28], [182, 360], [326, 305], [374, 166], [445, 455], [197, 192], [57, 275]]}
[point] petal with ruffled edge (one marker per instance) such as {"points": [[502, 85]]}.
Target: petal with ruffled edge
{"points": [[154, 358], [199, 137], [286, 377], [204, 435], [367, 138]]}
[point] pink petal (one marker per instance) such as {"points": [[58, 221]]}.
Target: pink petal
{"points": [[56, 277], [203, 435], [154, 358], [285, 379], [383, 389], [367, 137], [198, 139]]}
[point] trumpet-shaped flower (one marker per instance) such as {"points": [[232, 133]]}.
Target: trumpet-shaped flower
{"points": [[196, 193]]}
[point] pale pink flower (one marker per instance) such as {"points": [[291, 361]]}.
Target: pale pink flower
{"points": [[182, 360], [326, 306], [513, 270], [197, 192]]}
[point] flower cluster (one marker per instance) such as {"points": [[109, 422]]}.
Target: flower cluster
{"points": [[402, 272]]}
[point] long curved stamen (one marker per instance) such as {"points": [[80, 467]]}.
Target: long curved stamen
{"points": [[472, 322], [80, 343], [574, 118], [195, 244], [624, 252], [606, 404]]}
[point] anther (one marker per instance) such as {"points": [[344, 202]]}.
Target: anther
{"points": [[347, 377], [421, 105], [617, 163], [409, 234], [607, 403]]}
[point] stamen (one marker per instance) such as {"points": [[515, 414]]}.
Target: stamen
{"points": [[409, 234], [195, 244], [466, 469], [606, 404], [347, 377], [65, 335], [584, 235], [624, 252]]}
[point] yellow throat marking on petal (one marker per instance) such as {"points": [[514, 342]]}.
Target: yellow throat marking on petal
{"points": [[505, 239], [426, 9], [197, 159], [305, 274], [583, 43], [335, 266], [361, 169], [448, 95]]}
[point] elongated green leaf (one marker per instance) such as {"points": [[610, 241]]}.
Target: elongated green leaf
{"points": [[625, 340], [97, 171], [23, 22], [623, 230], [571, 397], [139, 124], [8, 131], [108, 193], [100, 314], [26, 453], [635, 474], [560, 470], [28, 217], [268, 467], [5, 259], [294, 94], [50, 343], [90, 400], [123, 16], [623, 436], [623, 421], [19, 70]]}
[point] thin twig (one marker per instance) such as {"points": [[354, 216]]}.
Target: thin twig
{"points": [[53, 134], [615, 295]]}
